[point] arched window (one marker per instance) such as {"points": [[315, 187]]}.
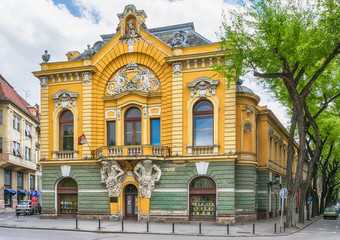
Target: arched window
{"points": [[202, 199], [203, 124], [133, 127], [67, 196], [66, 131]]}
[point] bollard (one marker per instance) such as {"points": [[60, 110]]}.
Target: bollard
{"points": [[173, 227], [284, 226], [76, 223], [147, 226], [275, 228], [200, 228], [99, 224], [228, 228], [254, 228], [122, 226]]}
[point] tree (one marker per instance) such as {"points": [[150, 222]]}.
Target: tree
{"points": [[292, 47]]}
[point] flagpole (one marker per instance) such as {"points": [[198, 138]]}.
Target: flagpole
{"points": [[88, 144]]}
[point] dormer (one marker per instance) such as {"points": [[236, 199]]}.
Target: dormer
{"points": [[131, 21]]}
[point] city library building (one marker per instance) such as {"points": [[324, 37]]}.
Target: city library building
{"points": [[139, 127]]}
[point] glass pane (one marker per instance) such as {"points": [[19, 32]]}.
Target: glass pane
{"points": [[67, 129], [203, 182], [203, 206], [156, 132], [133, 113], [67, 183], [203, 106], [136, 204], [68, 204], [111, 133], [128, 133], [67, 115], [203, 130], [129, 204], [138, 133]]}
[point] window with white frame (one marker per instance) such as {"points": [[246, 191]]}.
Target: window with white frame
{"points": [[28, 132], [27, 153], [16, 149], [16, 123]]}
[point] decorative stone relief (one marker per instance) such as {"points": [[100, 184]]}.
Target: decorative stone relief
{"points": [[271, 132], [108, 112], [180, 39], [86, 77], [141, 80], [145, 112], [43, 81], [158, 113], [112, 175], [64, 97], [202, 167], [65, 170], [201, 85], [247, 127], [177, 68], [46, 57], [119, 110], [249, 107], [147, 174]]}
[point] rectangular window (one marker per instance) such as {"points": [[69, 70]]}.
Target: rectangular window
{"points": [[32, 182], [16, 149], [20, 179], [111, 133], [27, 153], [28, 132], [155, 131], [0, 145], [16, 123], [7, 178], [0, 117]]}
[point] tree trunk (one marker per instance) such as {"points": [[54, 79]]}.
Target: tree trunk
{"points": [[315, 206], [302, 202], [291, 206]]}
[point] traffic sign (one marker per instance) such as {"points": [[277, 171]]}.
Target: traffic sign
{"points": [[284, 193]]}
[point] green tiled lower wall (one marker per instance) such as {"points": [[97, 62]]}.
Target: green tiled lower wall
{"points": [[245, 188]]}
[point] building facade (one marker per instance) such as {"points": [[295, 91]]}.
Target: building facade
{"points": [[140, 127], [19, 147]]}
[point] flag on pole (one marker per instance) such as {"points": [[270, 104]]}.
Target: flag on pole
{"points": [[82, 140]]}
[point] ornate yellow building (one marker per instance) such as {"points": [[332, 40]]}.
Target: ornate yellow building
{"points": [[140, 127]]}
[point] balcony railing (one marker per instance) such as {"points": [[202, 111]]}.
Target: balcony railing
{"points": [[65, 155], [203, 150], [134, 150]]}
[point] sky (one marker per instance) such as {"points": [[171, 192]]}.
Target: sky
{"points": [[27, 28]]}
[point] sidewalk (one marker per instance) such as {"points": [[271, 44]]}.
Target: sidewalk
{"points": [[262, 227]]}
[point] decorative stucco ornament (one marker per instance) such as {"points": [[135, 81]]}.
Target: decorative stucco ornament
{"points": [[86, 77], [131, 36], [43, 81], [177, 68], [89, 52], [64, 97], [112, 175], [201, 85], [147, 174], [180, 39], [247, 127], [143, 80], [46, 57], [271, 132]]}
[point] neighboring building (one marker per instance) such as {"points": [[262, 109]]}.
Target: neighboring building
{"points": [[19, 146], [140, 127]]}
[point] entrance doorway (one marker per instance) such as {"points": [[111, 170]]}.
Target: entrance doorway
{"points": [[67, 198], [131, 202]]}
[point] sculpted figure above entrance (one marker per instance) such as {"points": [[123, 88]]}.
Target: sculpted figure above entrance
{"points": [[147, 174], [112, 174]]}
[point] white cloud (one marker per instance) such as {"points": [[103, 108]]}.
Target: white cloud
{"points": [[29, 27]]}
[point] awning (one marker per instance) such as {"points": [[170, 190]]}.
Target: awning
{"points": [[10, 191], [22, 192]]}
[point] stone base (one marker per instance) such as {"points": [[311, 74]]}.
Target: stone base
{"points": [[94, 216], [225, 219], [262, 214], [48, 215], [246, 217], [167, 218]]}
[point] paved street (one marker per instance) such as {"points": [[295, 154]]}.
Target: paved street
{"points": [[322, 229]]}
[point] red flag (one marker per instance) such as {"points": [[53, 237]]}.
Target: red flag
{"points": [[82, 140]]}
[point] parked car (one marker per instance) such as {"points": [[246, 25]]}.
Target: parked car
{"points": [[330, 212], [337, 208], [25, 207]]}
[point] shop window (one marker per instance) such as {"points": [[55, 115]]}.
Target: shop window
{"points": [[27, 153], [155, 126], [203, 124], [66, 131], [16, 123], [203, 199], [16, 149], [32, 182], [20, 178], [67, 197], [7, 178], [133, 127], [111, 133]]}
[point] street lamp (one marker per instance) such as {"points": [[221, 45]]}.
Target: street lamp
{"points": [[277, 178]]}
